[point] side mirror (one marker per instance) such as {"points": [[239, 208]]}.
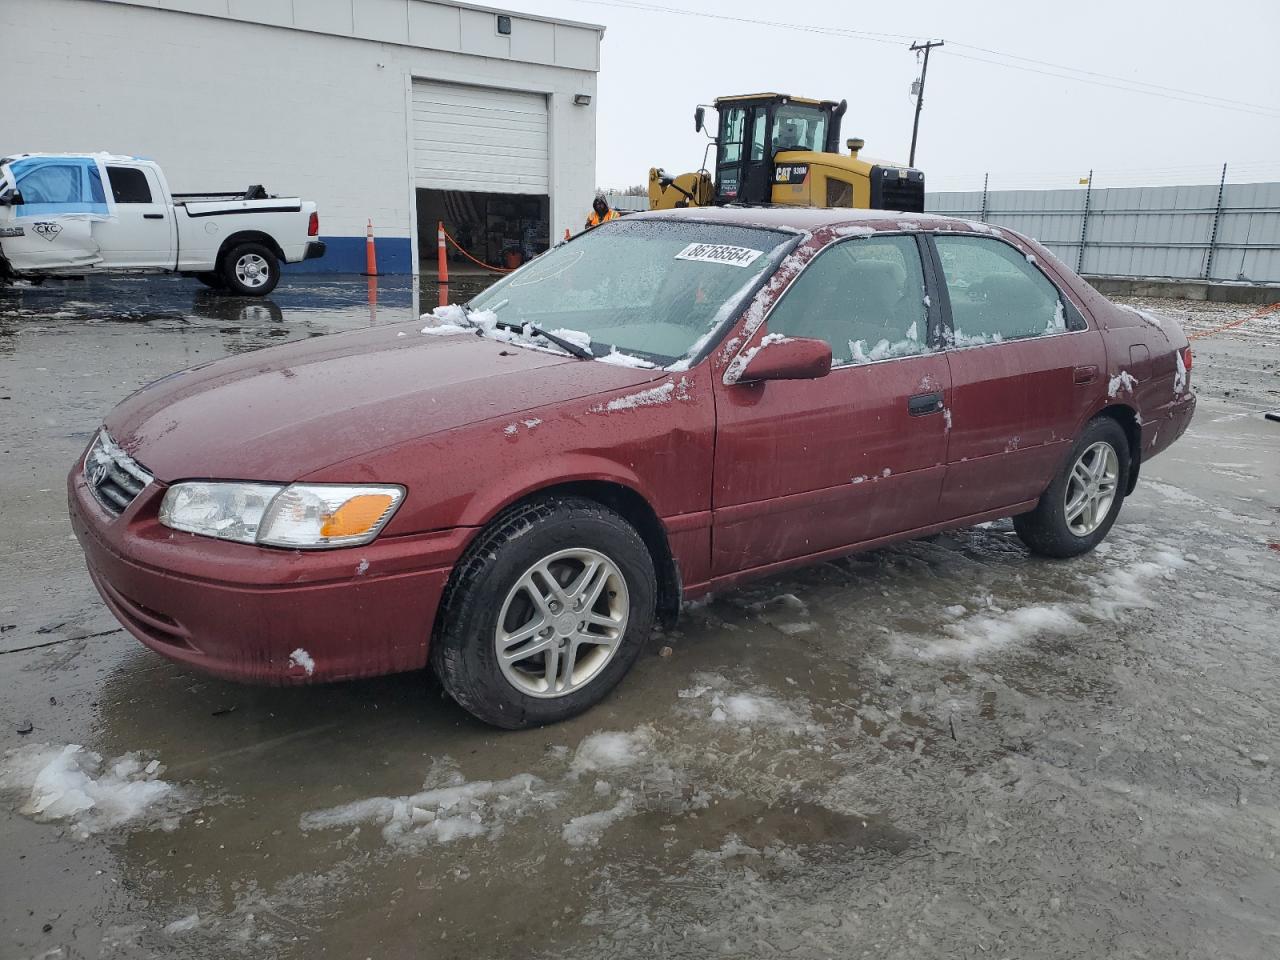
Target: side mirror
{"points": [[699, 115], [12, 200], [788, 358]]}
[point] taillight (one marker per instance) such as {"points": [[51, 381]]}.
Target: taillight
{"points": [[313, 228], [1186, 358]]}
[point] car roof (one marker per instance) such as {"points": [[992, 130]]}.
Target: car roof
{"points": [[805, 219], [104, 157]]}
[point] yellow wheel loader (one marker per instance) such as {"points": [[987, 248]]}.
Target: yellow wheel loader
{"points": [[775, 149]]}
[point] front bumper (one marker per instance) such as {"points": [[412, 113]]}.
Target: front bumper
{"points": [[239, 612], [315, 250]]}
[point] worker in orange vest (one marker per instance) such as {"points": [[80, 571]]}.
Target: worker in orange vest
{"points": [[600, 212]]}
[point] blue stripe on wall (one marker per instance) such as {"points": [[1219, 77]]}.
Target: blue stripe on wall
{"points": [[346, 255]]}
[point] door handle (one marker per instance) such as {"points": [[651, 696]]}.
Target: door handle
{"points": [[1086, 374], [153, 216], [923, 404]]}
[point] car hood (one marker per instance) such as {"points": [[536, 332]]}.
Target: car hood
{"points": [[284, 412]]}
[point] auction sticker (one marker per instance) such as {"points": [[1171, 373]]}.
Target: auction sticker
{"points": [[719, 253]]}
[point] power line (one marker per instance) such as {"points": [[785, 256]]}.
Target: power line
{"points": [[893, 39], [1108, 76], [1075, 74], [1261, 111]]}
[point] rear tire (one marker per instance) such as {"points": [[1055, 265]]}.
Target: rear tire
{"points": [[1080, 505], [554, 667], [250, 270]]}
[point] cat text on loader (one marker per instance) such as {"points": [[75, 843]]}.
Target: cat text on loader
{"points": [[776, 149]]}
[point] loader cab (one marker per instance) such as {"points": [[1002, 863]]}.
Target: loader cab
{"points": [[754, 128]]}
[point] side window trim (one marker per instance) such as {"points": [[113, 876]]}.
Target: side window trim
{"points": [[932, 338], [938, 308], [1073, 312]]}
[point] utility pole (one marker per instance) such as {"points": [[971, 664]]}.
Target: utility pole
{"points": [[924, 72]]}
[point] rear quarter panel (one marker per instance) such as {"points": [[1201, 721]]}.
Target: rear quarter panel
{"points": [[201, 234], [1142, 361]]}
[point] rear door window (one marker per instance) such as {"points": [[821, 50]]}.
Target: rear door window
{"points": [[998, 294], [129, 185], [864, 297]]}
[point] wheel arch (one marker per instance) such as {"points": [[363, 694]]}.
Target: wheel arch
{"points": [[1127, 417], [633, 507], [248, 236]]}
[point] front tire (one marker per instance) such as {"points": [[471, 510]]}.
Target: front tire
{"points": [[250, 270], [1077, 510], [544, 615]]}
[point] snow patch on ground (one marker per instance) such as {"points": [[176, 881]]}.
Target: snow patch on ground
{"points": [[439, 814], [1118, 589], [610, 750], [716, 700], [69, 783], [587, 829]]}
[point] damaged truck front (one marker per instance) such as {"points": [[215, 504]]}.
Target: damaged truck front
{"points": [[79, 214]]}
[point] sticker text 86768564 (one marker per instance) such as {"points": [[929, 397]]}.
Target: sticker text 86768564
{"points": [[719, 253]]}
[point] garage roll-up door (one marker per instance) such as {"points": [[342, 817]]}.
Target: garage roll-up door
{"points": [[477, 138]]}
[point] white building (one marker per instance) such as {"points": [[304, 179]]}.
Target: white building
{"points": [[400, 111]]}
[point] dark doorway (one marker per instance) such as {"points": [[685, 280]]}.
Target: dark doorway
{"points": [[500, 229]]}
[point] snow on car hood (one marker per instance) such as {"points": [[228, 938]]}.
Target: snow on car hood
{"points": [[285, 412]]}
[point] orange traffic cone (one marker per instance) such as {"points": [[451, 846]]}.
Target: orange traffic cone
{"points": [[370, 254], [444, 260]]}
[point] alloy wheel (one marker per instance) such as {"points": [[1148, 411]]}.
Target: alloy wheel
{"points": [[1091, 488], [562, 623]]}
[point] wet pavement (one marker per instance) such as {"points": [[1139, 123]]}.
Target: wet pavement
{"points": [[941, 749]]}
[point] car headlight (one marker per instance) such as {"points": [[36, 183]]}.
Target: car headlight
{"points": [[301, 515]]}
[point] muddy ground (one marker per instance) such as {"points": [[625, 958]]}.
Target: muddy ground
{"points": [[942, 749]]}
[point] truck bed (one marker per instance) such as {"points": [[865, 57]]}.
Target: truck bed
{"points": [[254, 192]]}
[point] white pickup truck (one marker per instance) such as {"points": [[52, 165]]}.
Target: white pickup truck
{"points": [[79, 214]]}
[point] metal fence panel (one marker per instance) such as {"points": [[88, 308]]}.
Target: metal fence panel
{"points": [[1166, 232]]}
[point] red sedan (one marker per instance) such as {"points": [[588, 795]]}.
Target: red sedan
{"points": [[670, 404]]}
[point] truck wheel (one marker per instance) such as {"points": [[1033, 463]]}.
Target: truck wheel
{"points": [[1082, 502], [211, 280], [251, 270], [545, 613]]}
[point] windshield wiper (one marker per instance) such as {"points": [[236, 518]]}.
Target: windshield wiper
{"points": [[567, 345]]}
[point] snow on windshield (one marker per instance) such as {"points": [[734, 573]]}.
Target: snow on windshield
{"points": [[638, 293]]}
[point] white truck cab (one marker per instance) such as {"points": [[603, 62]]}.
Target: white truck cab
{"points": [[79, 214]]}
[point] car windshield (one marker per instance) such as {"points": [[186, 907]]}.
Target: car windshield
{"points": [[658, 290]]}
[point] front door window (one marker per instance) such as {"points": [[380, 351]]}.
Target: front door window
{"points": [[864, 297]]}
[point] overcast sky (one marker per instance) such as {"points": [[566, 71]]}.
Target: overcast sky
{"points": [[1026, 128]]}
